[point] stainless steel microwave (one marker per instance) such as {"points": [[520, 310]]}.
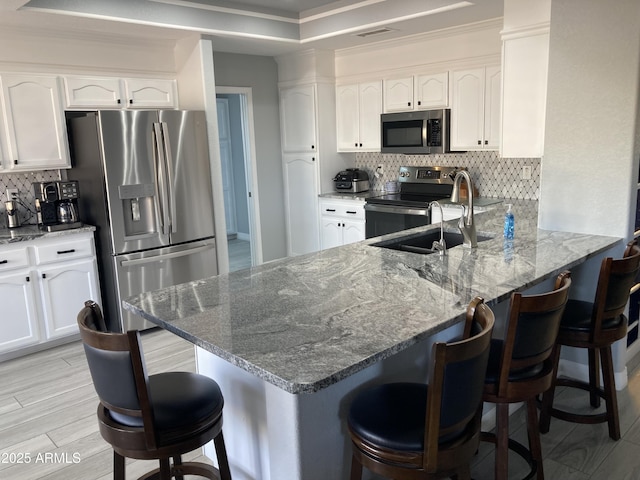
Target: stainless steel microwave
{"points": [[412, 133]]}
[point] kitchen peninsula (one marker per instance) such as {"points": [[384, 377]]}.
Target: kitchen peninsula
{"points": [[292, 341]]}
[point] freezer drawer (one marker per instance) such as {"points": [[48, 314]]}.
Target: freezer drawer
{"points": [[154, 269]]}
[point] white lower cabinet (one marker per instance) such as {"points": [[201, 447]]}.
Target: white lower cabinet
{"points": [[19, 314], [43, 285], [341, 222]]}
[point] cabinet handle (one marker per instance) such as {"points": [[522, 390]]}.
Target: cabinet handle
{"points": [[351, 212], [486, 142], [15, 162], [62, 252], [330, 209], [313, 147], [479, 142], [130, 101], [119, 101], [2, 262], [360, 144], [27, 279], [408, 104], [419, 103], [44, 275], [356, 144], [313, 159]]}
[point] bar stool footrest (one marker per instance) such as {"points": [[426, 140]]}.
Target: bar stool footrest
{"points": [[584, 418], [518, 448]]}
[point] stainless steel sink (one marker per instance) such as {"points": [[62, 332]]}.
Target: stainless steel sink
{"points": [[423, 242]]}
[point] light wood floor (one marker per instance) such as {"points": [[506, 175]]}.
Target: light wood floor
{"points": [[239, 254], [48, 412]]}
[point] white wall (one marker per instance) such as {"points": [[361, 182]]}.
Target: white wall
{"points": [[261, 74], [590, 168]]}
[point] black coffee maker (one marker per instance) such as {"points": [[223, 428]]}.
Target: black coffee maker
{"points": [[57, 205]]}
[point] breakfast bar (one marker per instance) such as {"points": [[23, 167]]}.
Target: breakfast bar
{"points": [[292, 341]]}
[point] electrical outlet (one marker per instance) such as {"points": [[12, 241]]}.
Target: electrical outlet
{"points": [[379, 171], [12, 194], [526, 172]]}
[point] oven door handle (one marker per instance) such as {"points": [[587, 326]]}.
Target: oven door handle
{"points": [[371, 207]]}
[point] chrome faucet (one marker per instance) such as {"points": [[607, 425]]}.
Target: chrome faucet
{"points": [[440, 246], [466, 224]]}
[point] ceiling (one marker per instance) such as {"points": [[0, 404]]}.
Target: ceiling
{"points": [[261, 27]]}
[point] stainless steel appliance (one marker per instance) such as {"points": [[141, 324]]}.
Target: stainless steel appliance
{"points": [[352, 180], [147, 187], [12, 214], [57, 205], [420, 132], [409, 207]]}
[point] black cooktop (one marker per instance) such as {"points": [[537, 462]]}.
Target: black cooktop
{"points": [[406, 199]]}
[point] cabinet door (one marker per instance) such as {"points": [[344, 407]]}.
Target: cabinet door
{"points": [[298, 118], [353, 232], [347, 118], [492, 102], [301, 203], [467, 109], [18, 324], [370, 95], [64, 288], [432, 91], [331, 231], [398, 94], [35, 130], [93, 92], [151, 93]]}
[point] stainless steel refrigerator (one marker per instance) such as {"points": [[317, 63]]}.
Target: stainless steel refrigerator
{"points": [[145, 183]]}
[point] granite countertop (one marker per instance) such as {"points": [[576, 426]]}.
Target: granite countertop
{"points": [[26, 233], [306, 322]]}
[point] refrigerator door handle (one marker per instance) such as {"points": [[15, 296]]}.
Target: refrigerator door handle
{"points": [[167, 256], [159, 165], [169, 169]]}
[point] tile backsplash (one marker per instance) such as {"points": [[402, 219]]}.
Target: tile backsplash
{"points": [[492, 176], [23, 181]]}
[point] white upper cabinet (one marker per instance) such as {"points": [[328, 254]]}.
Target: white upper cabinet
{"points": [[398, 94], [475, 109], [525, 60], [150, 93], [34, 133], [358, 112], [432, 91], [112, 92], [417, 92], [298, 111], [91, 92]]}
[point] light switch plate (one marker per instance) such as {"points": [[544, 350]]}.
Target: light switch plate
{"points": [[526, 172]]}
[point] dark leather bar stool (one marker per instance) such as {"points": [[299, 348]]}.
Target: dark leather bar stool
{"points": [[521, 368], [419, 431], [596, 326], [157, 417]]}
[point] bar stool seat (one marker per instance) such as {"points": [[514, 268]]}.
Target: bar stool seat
{"points": [[595, 326]]}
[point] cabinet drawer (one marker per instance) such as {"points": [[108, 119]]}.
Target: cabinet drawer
{"points": [[349, 209], [62, 251], [12, 258]]}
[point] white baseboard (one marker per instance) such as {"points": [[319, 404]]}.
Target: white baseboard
{"points": [[580, 371]]}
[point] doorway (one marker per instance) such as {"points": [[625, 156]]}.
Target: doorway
{"points": [[237, 156]]}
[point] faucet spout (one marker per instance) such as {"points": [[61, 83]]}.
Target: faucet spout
{"points": [[466, 224], [440, 245]]}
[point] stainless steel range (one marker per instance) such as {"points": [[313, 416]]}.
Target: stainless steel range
{"points": [[409, 208]]}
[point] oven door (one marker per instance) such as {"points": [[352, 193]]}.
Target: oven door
{"points": [[383, 219]]}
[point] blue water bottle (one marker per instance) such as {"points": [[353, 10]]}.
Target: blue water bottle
{"points": [[509, 223]]}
